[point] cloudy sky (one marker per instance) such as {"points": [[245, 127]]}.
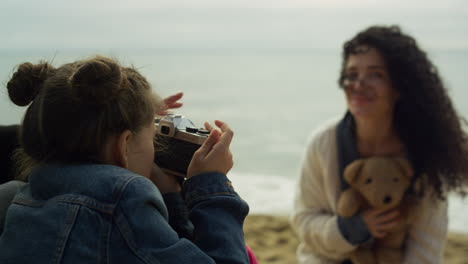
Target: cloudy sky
{"points": [[223, 24], [154, 4]]}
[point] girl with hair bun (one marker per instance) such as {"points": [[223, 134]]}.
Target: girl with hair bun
{"points": [[94, 193]]}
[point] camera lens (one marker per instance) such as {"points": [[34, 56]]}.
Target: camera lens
{"points": [[165, 130]]}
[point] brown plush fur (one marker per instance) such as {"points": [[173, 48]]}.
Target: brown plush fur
{"points": [[378, 183]]}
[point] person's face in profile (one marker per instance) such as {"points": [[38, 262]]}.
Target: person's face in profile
{"points": [[367, 85], [140, 151]]}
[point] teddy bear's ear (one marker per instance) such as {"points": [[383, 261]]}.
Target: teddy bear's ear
{"points": [[352, 170], [405, 167]]}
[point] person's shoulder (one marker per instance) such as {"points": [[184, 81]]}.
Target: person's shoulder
{"points": [[114, 184], [140, 190], [9, 189], [103, 182], [124, 181], [14, 184], [324, 134], [139, 186]]}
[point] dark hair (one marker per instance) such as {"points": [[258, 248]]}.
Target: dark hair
{"points": [[76, 107], [424, 116]]}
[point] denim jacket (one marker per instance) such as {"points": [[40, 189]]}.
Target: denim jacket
{"points": [[7, 192], [91, 213]]}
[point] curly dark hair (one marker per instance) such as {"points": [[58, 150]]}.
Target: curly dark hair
{"points": [[424, 116]]}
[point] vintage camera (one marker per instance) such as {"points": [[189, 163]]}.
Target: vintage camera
{"points": [[177, 139]]}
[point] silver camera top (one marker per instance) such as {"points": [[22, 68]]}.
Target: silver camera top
{"points": [[179, 127]]}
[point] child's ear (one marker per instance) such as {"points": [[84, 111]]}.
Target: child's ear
{"points": [[352, 170], [121, 148]]}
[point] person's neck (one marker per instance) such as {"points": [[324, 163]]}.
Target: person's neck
{"points": [[377, 137]]}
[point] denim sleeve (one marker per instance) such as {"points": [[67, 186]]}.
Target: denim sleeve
{"points": [[178, 214], [141, 222], [354, 230], [218, 214]]}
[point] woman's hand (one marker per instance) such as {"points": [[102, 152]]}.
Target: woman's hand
{"points": [[166, 183], [380, 222], [170, 102], [214, 155]]}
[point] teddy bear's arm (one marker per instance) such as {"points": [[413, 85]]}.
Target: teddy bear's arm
{"points": [[349, 203]]}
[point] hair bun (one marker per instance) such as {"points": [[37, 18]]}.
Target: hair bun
{"points": [[97, 80], [27, 81]]}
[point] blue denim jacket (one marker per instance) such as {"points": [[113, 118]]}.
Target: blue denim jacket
{"points": [[105, 214]]}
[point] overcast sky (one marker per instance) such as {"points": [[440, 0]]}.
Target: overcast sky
{"points": [[138, 4], [218, 24]]}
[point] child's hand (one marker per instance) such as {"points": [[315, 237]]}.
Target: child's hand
{"points": [[214, 155], [171, 102]]}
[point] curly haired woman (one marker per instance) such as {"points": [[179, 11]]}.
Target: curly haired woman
{"points": [[397, 105]]}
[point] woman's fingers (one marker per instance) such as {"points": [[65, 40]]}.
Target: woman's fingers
{"points": [[382, 230], [379, 234], [387, 217], [387, 226], [380, 222]]}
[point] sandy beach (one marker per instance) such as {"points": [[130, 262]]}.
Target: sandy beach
{"points": [[273, 241]]}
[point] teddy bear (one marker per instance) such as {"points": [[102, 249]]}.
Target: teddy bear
{"points": [[378, 183]]}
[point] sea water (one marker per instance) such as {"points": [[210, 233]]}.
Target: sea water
{"points": [[272, 100]]}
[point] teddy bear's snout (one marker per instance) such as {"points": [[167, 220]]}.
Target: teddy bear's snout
{"points": [[387, 199]]}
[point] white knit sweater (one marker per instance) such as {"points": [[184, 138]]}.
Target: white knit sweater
{"points": [[314, 216]]}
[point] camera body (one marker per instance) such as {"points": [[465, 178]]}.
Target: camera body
{"points": [[179, 139]]}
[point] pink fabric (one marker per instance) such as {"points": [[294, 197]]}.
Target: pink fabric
{"points": [[252, 258]]}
